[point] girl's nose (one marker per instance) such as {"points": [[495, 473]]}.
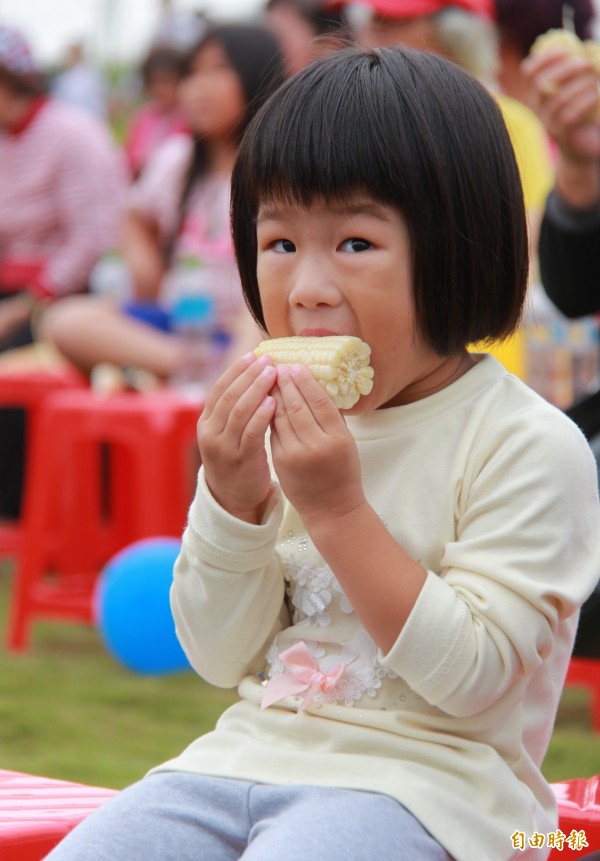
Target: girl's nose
{"points": [[314, 285]]}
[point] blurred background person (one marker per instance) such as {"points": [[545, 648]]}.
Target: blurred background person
{"points": [[160, 114], [564, 90], [520, 23], [461, 30], [176, 235], [465, 31], [306, 29], [565, 93], [62, 192], [80, 83]]}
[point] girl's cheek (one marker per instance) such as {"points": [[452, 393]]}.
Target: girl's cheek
{"points": [[274, 316]]}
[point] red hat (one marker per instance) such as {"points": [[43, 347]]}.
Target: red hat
{"points": [[405, 9]]}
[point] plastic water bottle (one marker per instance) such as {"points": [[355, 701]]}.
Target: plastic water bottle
{"points": [[111, 277], [204, 342]]}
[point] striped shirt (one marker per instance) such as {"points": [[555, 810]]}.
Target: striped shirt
{"points": [[62, 192]]}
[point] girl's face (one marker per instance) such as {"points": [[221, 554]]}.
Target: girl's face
{"points": [[163, 89], [212, 96], [345, 269]]}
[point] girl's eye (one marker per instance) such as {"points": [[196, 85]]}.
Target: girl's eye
{"points": [[355, 245], [283, 246]]}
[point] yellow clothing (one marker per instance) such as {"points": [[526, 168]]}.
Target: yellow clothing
{"points": [[534, 158], [530, 143]]}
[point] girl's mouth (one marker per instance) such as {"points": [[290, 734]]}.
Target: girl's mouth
{"points": [[317, 333]]}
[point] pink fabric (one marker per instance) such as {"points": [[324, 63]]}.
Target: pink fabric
{"points": [[150, 127], [302, 676], [156, 194], [403, 10], [62, 192], [202, 235]]}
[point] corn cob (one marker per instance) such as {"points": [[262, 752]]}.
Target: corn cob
{"points": [[571, 44], [340, 363], [556, 38]]}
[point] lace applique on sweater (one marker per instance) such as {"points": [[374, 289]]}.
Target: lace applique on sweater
{"points": [[315, 593], [311, 589]]}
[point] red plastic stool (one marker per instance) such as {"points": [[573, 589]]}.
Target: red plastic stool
{"points": [[104, 472], [579, 817], [27, 389], [585, 673], [37, 812]]}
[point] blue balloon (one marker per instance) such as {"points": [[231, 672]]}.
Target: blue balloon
{"points": [[132, 607]]}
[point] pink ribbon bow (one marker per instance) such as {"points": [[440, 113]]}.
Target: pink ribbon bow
{"points": [[302, 675]]}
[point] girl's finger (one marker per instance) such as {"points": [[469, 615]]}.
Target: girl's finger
{"points": [[293, 414], [256, 427], [259, 376], [322, 407], [237, 417], [226, 379], [305, 408]]}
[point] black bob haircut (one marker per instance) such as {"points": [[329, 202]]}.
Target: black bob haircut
{"points": [[414, 131]]}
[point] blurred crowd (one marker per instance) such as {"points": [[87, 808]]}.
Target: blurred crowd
{"points": [[103, 234], [117, 230]]}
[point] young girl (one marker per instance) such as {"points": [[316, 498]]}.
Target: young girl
{"points": [[159, 116], [176, 234], [397, 598]]}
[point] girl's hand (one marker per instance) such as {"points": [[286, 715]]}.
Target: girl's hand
{"points": [[314, 454], [231, 437]]}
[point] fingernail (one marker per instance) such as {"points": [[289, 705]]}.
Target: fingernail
{"points": [[300, 373]]}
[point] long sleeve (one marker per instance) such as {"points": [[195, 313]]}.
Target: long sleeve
{"points": [[492, 615], [156, 193], [569, 259], [90, 197], [227, 596], [63, 187]]}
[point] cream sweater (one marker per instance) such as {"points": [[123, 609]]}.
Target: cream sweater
{"points": [[494, 491]]}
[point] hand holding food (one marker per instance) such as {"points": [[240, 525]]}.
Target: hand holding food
{"points": [[564, 74], [571, 44]]}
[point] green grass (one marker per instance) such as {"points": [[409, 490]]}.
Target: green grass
{"points": [[69, 710]]}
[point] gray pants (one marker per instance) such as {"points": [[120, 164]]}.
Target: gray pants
{"points": [[186, 817]]}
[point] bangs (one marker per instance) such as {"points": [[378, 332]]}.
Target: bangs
{"points": [[328, 138]]}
